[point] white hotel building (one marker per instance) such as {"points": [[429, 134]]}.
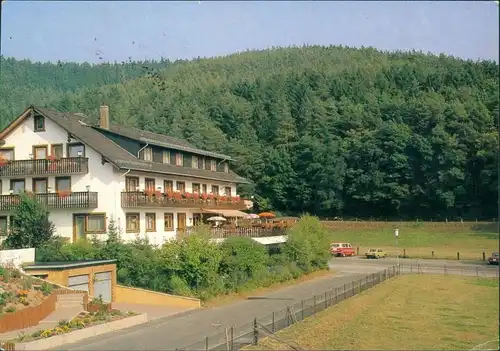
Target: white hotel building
{"points": [[84, 174]]}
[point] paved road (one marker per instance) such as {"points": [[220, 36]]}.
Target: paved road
{"points": [[182, 330]]}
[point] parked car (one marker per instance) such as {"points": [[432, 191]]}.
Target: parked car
{"points": [[375, 253], [494, 258], [342, 249]]}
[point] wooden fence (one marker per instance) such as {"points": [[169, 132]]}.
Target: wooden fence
{"points": [[31, 316]]}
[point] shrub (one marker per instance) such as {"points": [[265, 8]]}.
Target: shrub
{"points": [[31, 226]]}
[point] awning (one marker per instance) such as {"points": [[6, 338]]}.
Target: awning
{"points": [[226, 213]]}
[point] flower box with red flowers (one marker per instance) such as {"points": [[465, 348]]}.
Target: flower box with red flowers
{"points": [[149, 192], [177, 195], [222, 199], [52, 158], [3, 161], [170, 194], [204, 197], [235, 199], [158, 193], [187, 195], [196, 196], [63, 193]]}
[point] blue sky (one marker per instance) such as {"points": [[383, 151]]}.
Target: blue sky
{"points": [[86, 30]]}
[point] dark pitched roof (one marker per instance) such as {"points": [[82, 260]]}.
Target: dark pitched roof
{"points": [[120, 157], [159, 139]]}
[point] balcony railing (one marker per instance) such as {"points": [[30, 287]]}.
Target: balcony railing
{"points": [[68, 165], [222, 233], [80, 199], [141, 199]]}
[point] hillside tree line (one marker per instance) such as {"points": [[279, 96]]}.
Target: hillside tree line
{"points": [[333, 131]]}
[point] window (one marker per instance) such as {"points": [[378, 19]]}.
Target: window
{"points": [[157, 156], [215, 189], [40, 185], [147, 154], [57, 150], [3, 225], [96, 223], [39, 123], [166, 156], [40, 152], [168, 186], [7, 154], [63, 184], [181, 186], [226, 167], [213, 165], [133, 223], [204, 188], [194, 161], [151, 222], [197, 219], [196, 188], [202, 163], [179, 159], [227, 191], [131, 183], [149, 184], [76, 150], [18, 185], [168, 221]]}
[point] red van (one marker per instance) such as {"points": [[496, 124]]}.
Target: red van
{"points": [[342, 249]]}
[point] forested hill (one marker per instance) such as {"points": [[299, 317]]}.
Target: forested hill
{"points": [[330, 130], [25, 82]]}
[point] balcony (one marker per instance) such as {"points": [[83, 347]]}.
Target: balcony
{"points": [[80, 199], [223, 233], [45, 167], [137, 199]]}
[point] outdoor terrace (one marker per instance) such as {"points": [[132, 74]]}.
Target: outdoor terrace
{"points": [[61, 166], [80, 199], [138, 199], [223, 233]]}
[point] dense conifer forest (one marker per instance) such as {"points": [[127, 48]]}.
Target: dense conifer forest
{"points": [[333, 131]]}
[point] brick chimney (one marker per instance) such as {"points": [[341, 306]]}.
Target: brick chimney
{"points": [[104, 116]]}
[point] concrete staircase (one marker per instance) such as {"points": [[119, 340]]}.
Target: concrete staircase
{"points": [[67, 307]]}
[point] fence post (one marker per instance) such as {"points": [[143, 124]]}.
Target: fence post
{"points": [[458, 256], [336, 295], [206, 343], [273, 322], [232, 337], [357, 251], [255, 332], [325, 301], [484, 256], [302, 312], [344, 292], [404, 253], [432, 253]]}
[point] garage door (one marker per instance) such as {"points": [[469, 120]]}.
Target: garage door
{"points": [[102, 286], [79, 282]]}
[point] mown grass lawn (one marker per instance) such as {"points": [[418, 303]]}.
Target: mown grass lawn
{"points": [[412, 312], [418, 240]]}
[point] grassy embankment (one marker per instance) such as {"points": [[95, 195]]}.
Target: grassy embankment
{"points": [[419, 239], [414, 312]]}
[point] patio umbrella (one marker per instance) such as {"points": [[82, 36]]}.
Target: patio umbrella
{"points": [[252, 216], [267, 215], [216, 219]]}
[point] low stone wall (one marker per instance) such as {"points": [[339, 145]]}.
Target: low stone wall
{"points": [[128, 294], [17, 257]]}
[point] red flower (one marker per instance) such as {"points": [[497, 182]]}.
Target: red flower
{"points": [[52, 158], [149, 192], [196, 196], [63, 193], [222, 198], [204, 196], [3, 161], [187, 195]]}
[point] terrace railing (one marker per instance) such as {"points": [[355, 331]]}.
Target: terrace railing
{"points": [[222, 233], [135, 199], [61, 166], [79, 199]]}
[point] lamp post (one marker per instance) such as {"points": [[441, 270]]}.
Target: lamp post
{"points": [[396, 234]]}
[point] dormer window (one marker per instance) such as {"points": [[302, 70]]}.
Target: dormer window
{"points": [[226, 167], [166, 157], [39, 122], [148, 154], [179, 159], [194, 162]]}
